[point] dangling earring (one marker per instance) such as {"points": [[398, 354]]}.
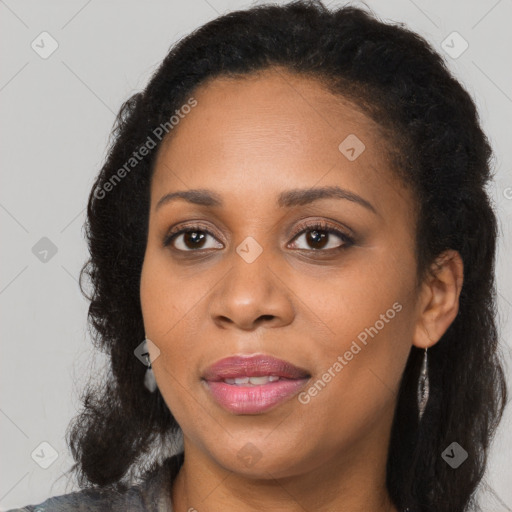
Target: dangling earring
{"points": [[423, 386], [149, 378]]}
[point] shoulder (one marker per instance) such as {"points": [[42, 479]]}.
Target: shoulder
{"points": [[89, 500], [85, 500], [149, 496]]}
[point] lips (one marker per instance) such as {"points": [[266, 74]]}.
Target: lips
{"points": [[237, 367], [253, 384]]}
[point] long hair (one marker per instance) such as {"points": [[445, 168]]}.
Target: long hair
{"points": [[440, 152]]}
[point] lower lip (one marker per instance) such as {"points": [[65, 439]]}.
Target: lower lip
{"points": [[253, 399]]}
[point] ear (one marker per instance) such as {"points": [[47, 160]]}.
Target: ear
{"points": [[439, 299]]}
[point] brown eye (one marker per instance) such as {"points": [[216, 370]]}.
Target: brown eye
{"points": [[321, 236], [190, 239], [318, 237]]}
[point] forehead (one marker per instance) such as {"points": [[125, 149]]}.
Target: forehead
{"points": [[268, 109], [272, 130]]}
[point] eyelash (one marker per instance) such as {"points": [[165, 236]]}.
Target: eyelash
{"points": [[302, 228]]}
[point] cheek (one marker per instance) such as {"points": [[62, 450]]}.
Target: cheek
{"points": [[160, 295], [366, 293], [368, 313], [170, 312]]}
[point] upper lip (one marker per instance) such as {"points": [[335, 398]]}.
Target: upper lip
{"points": [[257, 365]]}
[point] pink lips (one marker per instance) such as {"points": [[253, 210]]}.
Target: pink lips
{"points": [[250, 398]]}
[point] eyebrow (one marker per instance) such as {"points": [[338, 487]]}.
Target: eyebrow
{"points": [[287, 199]]}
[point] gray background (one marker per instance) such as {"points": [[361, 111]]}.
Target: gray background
{"points": [[56, 115]]}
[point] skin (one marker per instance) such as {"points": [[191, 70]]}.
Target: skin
{"points": [[249, 140]]}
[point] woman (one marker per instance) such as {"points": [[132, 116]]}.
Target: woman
{"points": [[292, 270]]}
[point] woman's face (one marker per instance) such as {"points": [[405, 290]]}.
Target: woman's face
{"points": [[255, 275]]}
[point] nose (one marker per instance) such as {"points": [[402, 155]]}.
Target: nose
{"points": [[253, 294]]}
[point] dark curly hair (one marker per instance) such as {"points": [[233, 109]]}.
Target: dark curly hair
{"points": [[440, 152]]}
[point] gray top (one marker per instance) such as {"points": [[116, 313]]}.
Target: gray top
{"points": [[149, 496]]}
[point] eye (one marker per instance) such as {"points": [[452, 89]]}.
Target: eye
{"points": [[193, 239], [318, 235]]}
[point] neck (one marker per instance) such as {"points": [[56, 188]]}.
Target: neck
{"points": [[352, 481]]}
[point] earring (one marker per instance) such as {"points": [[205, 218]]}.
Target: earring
{"points": [[423, 386], [149, 378]]}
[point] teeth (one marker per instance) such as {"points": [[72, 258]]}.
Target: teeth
{"points": [[255, 381], [259, 380]]}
